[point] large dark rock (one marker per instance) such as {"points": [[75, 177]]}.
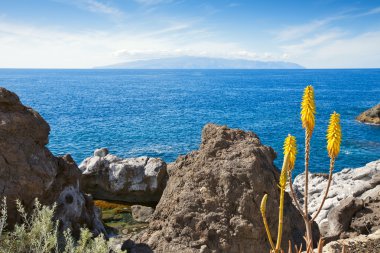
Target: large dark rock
{"points": [[212, 199], [371, 116], [138, 180], [28, 170]]}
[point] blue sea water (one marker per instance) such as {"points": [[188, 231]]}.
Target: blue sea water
{"points": [[161, 112]]}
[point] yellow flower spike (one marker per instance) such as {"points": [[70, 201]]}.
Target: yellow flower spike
{"points": [[290, 150], [334, 136], [308, 109]]}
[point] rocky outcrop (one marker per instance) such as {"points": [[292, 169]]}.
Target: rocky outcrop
{"points": [[371, 116], [28, 170], [135, 180], [212, 199], [359, 182], [353, 204]]}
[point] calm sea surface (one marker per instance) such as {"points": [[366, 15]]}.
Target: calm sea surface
{"points": [[161, 112]]}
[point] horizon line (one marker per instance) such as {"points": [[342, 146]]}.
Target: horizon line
{"points": [[107, 68]]}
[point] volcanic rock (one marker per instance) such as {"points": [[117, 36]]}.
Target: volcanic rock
{"points": [[371, 116], [212, 199], [134, 180], [28, 170]]}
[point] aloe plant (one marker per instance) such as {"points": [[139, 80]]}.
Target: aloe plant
{"points": [[334, 137]]}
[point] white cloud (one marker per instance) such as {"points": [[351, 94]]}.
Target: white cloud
{"points": [[233, 5], [333, 50], [324, 43], [361, 51], [316, 45], [310, 43], [152, 2], [24, 45], [299, 31], [95, 6], [369, 12], [296, 32]]}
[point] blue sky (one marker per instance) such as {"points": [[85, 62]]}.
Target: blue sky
{"points": [[87, 33]]}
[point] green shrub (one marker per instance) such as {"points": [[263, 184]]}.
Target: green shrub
{"points": [[38, 233]]}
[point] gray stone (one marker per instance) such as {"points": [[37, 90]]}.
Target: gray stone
{"points": [[142, 213], [101, 152], [134, 180]]}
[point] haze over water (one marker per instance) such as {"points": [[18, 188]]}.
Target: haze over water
{"points": [[161, 112]]}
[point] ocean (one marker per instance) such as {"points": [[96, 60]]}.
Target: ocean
{"points": [[161, 113]]}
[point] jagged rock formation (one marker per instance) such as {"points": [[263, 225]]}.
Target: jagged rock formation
{"points": [[28, 170], [371, 116], [134, 180], [212, 199]]}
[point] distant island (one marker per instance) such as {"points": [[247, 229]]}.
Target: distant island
{"points": [[192, 62]]}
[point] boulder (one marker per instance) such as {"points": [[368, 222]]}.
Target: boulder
{"points": [[142, 213], [28, 170], [134, 180], [101, 152], [212, 199], [371, 116], [339, 218]]}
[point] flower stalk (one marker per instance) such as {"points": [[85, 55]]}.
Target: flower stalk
{"points": [[290, 151]]}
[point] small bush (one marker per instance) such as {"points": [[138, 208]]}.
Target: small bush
{"points": [[38, 233]]}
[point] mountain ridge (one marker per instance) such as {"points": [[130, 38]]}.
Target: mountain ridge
{"points": [[192, 62]]}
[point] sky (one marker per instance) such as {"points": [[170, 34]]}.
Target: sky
{"points": [[89, 33]]}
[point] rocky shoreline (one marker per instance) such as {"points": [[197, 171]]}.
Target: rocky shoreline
{"points": [[370, 116], [352, 207], [207, 201]]}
